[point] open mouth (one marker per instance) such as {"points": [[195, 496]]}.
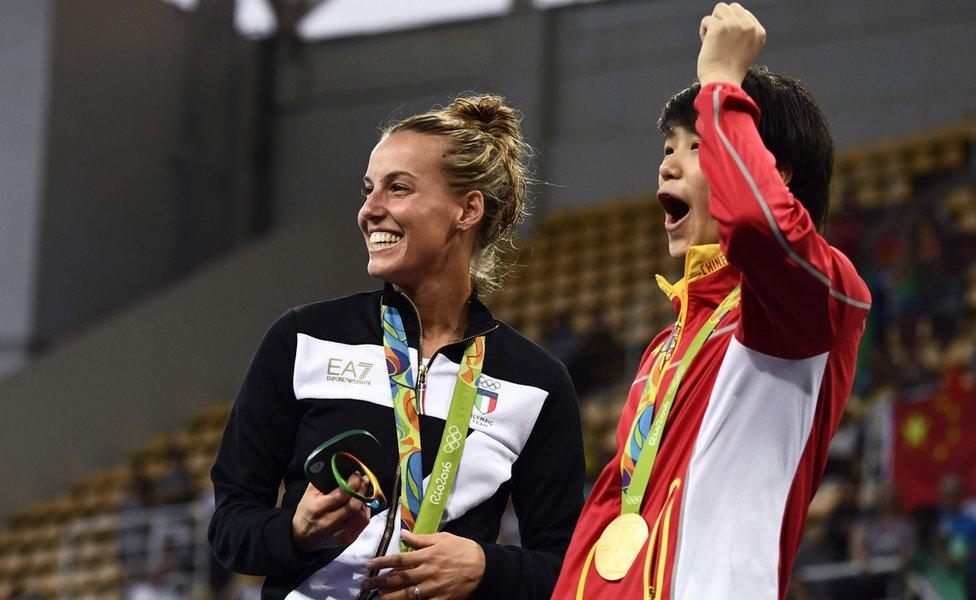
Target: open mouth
{"points": [[379, 240], [675, 210]]}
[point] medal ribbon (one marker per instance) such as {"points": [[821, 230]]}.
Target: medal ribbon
{"points": [[640, 453], [416, 515]]}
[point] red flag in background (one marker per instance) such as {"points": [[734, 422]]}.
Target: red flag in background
{"points": [[933, 436]]}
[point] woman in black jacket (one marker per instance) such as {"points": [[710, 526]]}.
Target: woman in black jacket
{"points": [[413, 364]]}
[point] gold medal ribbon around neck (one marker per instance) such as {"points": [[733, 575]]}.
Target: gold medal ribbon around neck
{"points": [[623, 538], [421, 510]]}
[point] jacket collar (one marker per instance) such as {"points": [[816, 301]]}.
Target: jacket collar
{"points": [[480, 320], [708, 276]]}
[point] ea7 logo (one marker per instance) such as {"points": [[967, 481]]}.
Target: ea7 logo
{"points": [[347, 371]]}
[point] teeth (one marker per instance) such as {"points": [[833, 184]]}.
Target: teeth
{"points": [[382, 237]]}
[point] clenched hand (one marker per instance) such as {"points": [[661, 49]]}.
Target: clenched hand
{"points": [[731, 40]]}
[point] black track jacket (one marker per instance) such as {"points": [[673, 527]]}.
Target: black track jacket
{"points": [[321, 370]]}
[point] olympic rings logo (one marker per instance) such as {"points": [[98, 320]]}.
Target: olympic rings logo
{"points": [[489, 384], [454, 438]]}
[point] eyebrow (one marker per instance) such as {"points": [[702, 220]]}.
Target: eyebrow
{"points": [[392, 175]]}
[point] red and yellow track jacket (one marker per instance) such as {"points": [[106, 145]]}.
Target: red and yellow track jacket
{"points": [[746, 441]]}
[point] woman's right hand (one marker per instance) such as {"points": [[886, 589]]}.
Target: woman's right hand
{"points": [[329, 520]]}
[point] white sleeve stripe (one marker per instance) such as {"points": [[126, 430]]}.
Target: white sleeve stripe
{"points": [[769, 215]]}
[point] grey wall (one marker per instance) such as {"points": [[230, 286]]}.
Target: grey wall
{"points": [[874, 66], [335, 96], [99, 396], [591, 79], [24, 52], [147, 154]]}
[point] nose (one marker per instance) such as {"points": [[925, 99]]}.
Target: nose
{"points": [[372, 208], [669, 169]]}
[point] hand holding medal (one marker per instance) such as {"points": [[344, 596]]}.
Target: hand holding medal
{"points": [[339, 458], [342, 491], [329, 520]]}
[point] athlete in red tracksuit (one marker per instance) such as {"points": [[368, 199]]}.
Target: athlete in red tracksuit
{"points": [[745, 442]]}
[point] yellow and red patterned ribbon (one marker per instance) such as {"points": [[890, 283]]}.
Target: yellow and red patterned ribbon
{"points": [[419, 512]]}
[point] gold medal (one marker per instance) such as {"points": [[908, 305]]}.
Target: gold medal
{"points": [[619, 545]]}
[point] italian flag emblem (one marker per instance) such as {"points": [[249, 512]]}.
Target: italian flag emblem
{"points": [[485, 401]]}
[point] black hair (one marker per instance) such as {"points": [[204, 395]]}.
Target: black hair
{"points": [[791, 125]]}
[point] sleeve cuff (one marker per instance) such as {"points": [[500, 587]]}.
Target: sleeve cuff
{"points": [[278, 541], [500, 567]]}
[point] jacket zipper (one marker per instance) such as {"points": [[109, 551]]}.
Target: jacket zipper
{"points": [[392, 512], [422, 368], [421, 386]]}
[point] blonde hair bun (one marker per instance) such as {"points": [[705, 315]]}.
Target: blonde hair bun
{"points": [[490, 114]]}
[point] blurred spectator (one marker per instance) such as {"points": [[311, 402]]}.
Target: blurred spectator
{"points": [[600, 433], [599, 360], [840, 521], [940, 559], [969, 505], [955, 524], [160, 583], [175, 485], [883, 533], [813, 550], [171, 547], [16, 594], [559, 338], [218, 577], [848, 226], [134, 529], [156, 545], [946, 300]]}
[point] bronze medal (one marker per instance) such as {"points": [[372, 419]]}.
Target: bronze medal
{"points": [[619, 545]]}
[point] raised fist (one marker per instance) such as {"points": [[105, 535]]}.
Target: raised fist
{"points": [[731, 40]]}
